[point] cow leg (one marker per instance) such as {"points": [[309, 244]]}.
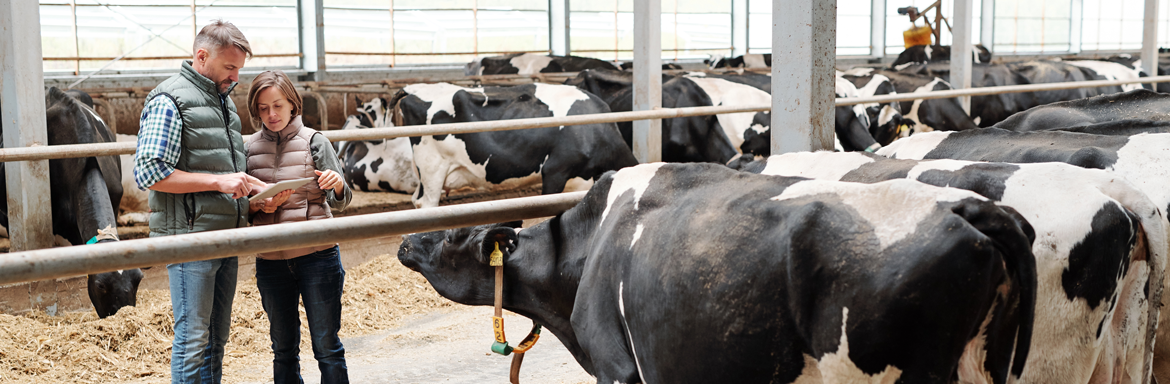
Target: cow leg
{"points": [[430, 186]]}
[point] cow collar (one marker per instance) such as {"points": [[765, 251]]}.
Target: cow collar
{"points": [[500, 345]]}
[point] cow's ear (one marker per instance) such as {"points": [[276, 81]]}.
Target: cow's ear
{"points": [[385, 104], [357, 101], [505, 236]]}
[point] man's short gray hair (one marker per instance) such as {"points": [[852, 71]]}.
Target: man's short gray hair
{"points": [[219, 34]]}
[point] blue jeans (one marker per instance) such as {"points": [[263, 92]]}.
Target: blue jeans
{"points": [[317, 278], [201, 298]]}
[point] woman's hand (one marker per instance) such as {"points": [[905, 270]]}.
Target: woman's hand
{"points": [[270, 204], [330, 180]]}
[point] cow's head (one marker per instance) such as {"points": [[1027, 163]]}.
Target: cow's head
{"points": [[474, 68], [373, 113], [455, 261]]}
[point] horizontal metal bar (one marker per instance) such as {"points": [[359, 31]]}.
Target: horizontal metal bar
{"points": [[157, 57], [108, 149], [997, 90], [55, 263]]}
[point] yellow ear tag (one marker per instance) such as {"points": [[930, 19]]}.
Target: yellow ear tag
{"points": [[497, 257]]}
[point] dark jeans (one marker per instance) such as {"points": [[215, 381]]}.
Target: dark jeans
{"points": [[317, 278]]}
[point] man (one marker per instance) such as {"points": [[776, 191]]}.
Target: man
{"points": [[191, 158]]}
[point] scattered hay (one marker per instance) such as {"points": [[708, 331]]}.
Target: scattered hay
{"points": [[135, 344]]}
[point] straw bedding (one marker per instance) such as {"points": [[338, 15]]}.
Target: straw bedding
{"points": [[134, 345]]}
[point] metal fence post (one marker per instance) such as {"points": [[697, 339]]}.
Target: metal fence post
{"points": [[22, 107], [648, 78], [1150, 39], [961, 50], [312, 31], [804, 46]]}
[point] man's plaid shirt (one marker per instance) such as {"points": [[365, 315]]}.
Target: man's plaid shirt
{"points": [[159, 134]]}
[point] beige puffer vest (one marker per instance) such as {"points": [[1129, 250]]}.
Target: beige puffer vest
{"points": [[285, 155]]}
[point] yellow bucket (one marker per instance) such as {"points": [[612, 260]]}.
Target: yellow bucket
{"points": [[917, 36]]}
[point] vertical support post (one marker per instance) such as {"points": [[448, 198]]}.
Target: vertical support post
{"points": [[877, 29], [313, 37], [76, 41], [648, 78], [804, 33], [987, 24], [961, 49], [22, 110], [739, 27], [1150, 40], [558, 27], [1076, 14]]}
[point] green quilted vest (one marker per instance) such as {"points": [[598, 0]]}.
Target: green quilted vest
{"points": [[211, 143]]}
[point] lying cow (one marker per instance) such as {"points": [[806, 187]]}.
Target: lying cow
{"points": [[920, 54], [885, 120], [751, 60], [684, 139], [552, 156], [1140, 104], [1100, 253], [1140, 159], [923, 115], [385, 165], [85, 194], [741, 278], [990, 109], [532, 63]]}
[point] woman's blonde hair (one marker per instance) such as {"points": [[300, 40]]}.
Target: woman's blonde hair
{"points": [[273, 79]]}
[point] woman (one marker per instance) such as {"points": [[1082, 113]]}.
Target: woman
{"points": [[284, 150]]}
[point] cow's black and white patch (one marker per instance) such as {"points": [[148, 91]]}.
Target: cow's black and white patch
{"points": [[694, 273], [1093, 314], [556, 157]]}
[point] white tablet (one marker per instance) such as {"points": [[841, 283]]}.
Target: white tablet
{"points": [[281, 186]]}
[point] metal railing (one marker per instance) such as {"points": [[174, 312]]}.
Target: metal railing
{"points": [[54, 263]]}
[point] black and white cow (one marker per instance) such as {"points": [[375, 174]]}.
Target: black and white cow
{"points": [[1140, 159], [990, 109], [885, 120], [1140, 104], [85, 194], [1135, 63], [751, 60], [920, 54], [695, 273], [1100, 253], [684, 139], [629, 66], [923, 115], [1113, 71], [385, 165], [553, 156], [532, 63]]}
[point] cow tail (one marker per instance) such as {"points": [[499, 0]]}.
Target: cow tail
{"points": [[1021, 264], [1013, 237], [395, 108]]}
